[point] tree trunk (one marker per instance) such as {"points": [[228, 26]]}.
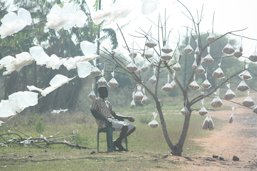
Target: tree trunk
{"points": [[163, 124], [179, 146], [177, 149]]}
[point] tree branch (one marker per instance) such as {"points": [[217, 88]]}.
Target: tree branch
{"points": [[198, 98]]}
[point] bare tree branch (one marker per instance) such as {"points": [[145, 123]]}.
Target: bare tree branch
{"points": [[193, 101]]}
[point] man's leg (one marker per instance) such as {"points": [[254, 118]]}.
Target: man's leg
{"points": [[125, 128], [130, 131], [123, 135]]}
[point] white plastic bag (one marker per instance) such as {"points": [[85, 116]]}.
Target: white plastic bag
{"points": [[154, 123], [242, 86], [229, 95]]}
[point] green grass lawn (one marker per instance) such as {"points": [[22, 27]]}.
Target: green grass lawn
{"points": [[146, 146]]}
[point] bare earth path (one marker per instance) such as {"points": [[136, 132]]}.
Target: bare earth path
{"points": [[236, 139]]}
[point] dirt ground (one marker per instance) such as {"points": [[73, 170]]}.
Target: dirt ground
{"points": [[234, 139]]}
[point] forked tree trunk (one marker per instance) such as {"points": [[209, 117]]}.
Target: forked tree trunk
{"points": [[178, 148]]}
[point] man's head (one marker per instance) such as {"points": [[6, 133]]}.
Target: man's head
{"points": [[103, 92]]}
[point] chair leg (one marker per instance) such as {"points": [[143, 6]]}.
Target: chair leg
{"points": [[109, 138], [126, 143], [97, 141]]}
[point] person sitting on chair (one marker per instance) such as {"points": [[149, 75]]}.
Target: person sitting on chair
{"points": [[101, 108]]}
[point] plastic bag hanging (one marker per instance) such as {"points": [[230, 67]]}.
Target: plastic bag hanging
{"points": [[208, 123], [231, 118], [166, 56], [229, 95], [145, 66], [150, 43], [218, 73], [197, 50], [228, 49], [173, 82], [95, 71], [248, 101], [253, 56], [211, 37], [102, 81], [194, 65], [154, 123], [208, 59], [167, 86], [138, 94], [153, 78], [205, 124], [245, 75], [132, 54], [239, 50], [211, 123], [216, 101], [132, 66], [200, 70], [132, 103], [185, 111], [255, 109], [242, 86], [148, 53], [113, 82], [92, 95], [194, 85], [145, 100], [203, 110], [188, 49], [167, 48], [177, 66], [206, 84]]}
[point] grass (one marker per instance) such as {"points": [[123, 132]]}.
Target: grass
{"points": [[146, 146]]}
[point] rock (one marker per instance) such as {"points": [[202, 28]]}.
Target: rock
{"points": [[92, 152], [235, 158], [215, 156], [221, 158]]}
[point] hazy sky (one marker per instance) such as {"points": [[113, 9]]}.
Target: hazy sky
{"points": [[229, 15]]}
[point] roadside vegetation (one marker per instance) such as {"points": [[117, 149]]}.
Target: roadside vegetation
{"points": [[146, 148]]}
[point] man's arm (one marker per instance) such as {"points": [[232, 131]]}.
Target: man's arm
{"points": [[121, 118]]}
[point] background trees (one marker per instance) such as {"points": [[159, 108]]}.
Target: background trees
{"points": [[63, 43]]}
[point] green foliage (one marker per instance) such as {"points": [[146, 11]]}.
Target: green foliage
{"points": [[53, 42], [112, 35], [144, 119], [36, 121]]}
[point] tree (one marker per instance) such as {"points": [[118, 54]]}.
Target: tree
{"points": [[186, 66], [58, 42], [159, 54]]}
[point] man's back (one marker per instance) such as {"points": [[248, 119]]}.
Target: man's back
{"points": [[104, 107]]}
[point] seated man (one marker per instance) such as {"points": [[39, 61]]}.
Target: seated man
{"points": [[102, 110]]}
